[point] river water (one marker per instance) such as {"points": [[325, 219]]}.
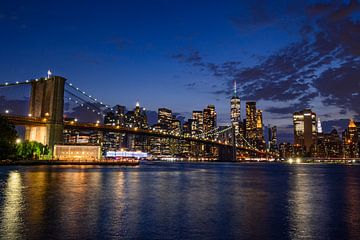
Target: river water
{"points": [[181, 201]]}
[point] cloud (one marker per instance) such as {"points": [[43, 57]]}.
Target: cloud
{"points": [[323, 66]]}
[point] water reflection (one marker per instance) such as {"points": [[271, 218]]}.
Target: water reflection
{"points": [[12, 224], [186, 201]]}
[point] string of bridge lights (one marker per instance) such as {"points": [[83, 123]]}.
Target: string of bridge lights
{"points": [[89, 96], [85, 107], [73, 95], [8, 84]]}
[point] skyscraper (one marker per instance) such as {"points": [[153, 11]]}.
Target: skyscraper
{"points": [[351, 141], [305, 129], [199, 118], [209, 115], [235, 115], [165, 118], [260, 141], [251, 122]]}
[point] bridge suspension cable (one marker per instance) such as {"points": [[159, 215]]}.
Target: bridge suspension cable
{"points": [[85, 107], [9, 84], [89, 96], [77, 99]]}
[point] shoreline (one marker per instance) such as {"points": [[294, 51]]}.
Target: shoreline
{"points": [[58, 162]]}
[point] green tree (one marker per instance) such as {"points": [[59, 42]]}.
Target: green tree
{"points": [[8, 137], [32, 150]]}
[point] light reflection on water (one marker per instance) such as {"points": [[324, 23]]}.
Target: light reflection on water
{"points": [[181, 201]]}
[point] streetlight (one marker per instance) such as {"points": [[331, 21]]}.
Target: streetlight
{"points": [[6, 111], [18, 141]]}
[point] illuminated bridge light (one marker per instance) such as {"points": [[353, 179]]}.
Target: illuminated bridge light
{"points": [[6, 111]]}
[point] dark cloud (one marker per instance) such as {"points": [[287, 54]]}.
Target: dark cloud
{"points": [[191, 57], [325, 63]]}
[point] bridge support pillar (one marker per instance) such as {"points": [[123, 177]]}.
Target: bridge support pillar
{"points": [[47, 102]]}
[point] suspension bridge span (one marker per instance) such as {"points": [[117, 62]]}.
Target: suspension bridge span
{"points": [[45, 120]]}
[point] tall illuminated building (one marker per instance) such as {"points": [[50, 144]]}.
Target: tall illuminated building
{"points": [[235, 115], [251, 122], [175, 126], [136, 118], [351, 141], [260, 140], [209, 115], [165, 118], [305, 129], [199, 118]]}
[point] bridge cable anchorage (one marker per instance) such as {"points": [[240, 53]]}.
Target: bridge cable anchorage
{"points": [[89, 96]]}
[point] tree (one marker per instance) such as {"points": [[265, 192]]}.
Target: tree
{"points": [[8, 136], [32, 150]]}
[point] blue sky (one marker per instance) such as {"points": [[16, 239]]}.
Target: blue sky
{"points": [[184, 55]]}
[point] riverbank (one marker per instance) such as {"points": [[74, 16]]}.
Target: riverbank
{"points": [[57, 162]]}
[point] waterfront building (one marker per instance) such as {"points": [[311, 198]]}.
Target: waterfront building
{"points": [[305, 129]]}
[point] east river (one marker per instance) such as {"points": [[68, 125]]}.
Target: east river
{"points": [[162, 200]]}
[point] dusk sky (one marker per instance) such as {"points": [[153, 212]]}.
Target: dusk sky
{"points": [[184, 55]]}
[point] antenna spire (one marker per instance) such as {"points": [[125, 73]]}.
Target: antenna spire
{"points": [[235, 88], [49, 73]]}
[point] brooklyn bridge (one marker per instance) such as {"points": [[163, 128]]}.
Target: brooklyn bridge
{"points": [[45, 123]]}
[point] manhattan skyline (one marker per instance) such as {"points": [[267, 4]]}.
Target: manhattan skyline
{"points": [[285, 56]]}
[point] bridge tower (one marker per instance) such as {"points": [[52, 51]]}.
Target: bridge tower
{"points": [[47, 102]]}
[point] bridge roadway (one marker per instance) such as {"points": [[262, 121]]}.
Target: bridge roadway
{"points": [[33, 121]]}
